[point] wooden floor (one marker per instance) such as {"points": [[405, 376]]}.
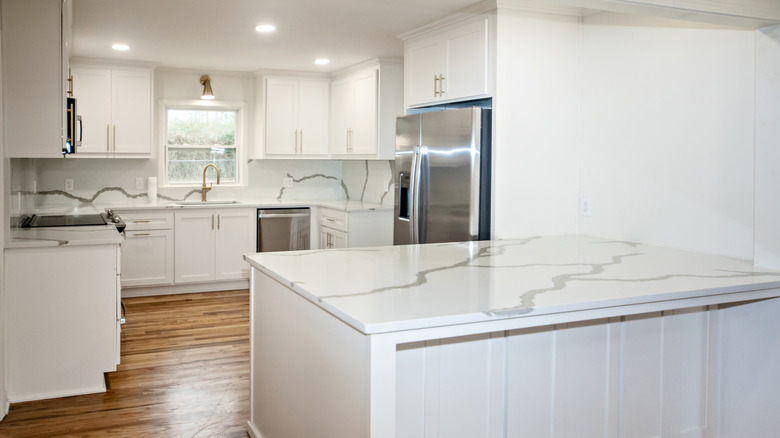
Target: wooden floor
{"points": [[184, 373]]}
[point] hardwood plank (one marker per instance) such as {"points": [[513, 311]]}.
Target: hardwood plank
{"points": [[184, 373]]}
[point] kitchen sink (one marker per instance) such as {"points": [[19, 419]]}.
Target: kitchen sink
{"points": [[206, 202]]}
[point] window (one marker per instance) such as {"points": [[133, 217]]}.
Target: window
{"points": [[195, 134]]}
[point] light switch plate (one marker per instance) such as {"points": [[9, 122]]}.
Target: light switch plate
{"points": [[68, 184], [287, 182]]}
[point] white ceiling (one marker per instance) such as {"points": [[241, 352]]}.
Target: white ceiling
{"points": [[220, 34]]}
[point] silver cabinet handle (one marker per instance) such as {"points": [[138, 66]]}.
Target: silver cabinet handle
{"points": [[114, 138], [301, 140], [141, 221], [212, 221], [435, 85], [108, 137], [441, 85], [296, 141], [219, 221], [141, 234]]}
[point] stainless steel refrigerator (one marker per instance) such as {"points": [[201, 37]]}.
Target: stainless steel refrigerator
{"points": [[442, 176]]}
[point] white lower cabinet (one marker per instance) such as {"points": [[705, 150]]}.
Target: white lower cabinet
{"points": [[330, 238], [147, 252], [341, 229], [61, 329], [210, 243]]}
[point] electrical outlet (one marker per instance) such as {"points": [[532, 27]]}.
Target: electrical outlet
{"points": [[68, 184], [586, 207], [139, 183], [287, 182]]}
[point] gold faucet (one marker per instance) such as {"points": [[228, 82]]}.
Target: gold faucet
{"points": [[204, 189]]}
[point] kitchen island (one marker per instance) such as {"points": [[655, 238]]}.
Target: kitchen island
{"points": [[62, 298], [546, 336]]}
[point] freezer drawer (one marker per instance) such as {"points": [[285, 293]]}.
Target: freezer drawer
{"points": [[283, 229]]}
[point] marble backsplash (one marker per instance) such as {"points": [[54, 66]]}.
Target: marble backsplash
{"points": [[40, 183]]}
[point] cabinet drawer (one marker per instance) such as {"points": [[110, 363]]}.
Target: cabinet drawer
{"points": [[147, 258], [337, 220], [147, 220]]}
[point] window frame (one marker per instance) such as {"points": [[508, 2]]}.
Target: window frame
{"points": [[241, 136]]}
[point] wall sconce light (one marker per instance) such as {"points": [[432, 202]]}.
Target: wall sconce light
{"points": [[207, 93]]}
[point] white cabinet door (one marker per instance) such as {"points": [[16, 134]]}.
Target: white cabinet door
{"points": [[330, 238], [424, 60], [194, 245], [296, 117], [313, 118], [354, 122], [467, 63], [34, 89], [342, 108], [281, 124], [448, 66], [116, 110], [131, 103], [364, 123], [235, 236], [92, 88], [147, 258]]}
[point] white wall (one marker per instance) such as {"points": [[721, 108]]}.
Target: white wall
{"points": [[667, 133], [767, 209], [651, 119], [536, 163]]}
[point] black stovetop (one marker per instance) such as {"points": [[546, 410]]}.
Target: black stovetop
{"points": [[36, 221]]}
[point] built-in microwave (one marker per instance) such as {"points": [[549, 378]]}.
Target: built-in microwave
{"points": [[73, 138]]}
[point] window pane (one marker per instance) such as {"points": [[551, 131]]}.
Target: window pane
{"points": [[185, 165], [197, 137], [201, 127]]}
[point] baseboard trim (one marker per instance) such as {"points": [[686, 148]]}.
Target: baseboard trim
{"points": [[149, 291], [5, 405], [252, 430], [58, 394]]}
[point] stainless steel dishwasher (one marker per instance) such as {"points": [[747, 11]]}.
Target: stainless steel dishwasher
{"points": [[283, 229]]}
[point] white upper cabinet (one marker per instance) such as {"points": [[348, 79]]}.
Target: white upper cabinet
{"points": [[448, 65], [354, 112], [296, 117], [364, 104], [35, 37], [115, 106]]}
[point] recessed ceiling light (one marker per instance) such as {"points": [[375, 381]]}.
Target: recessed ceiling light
{"points": [[120, 47], [322, 61], [265, 28]]}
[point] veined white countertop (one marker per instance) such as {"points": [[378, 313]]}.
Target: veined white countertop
{"points": [[338, 204], [59, 236], [385, 289], [94, 235]]}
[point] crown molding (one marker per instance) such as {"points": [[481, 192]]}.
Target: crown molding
{"points": [[480, 8]]}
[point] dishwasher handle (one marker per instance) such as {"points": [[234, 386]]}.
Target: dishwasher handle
{"points": [[262, 215]]}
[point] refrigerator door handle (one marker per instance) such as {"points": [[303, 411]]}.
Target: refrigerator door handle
{"points": [[415, 184], [413, 207]]}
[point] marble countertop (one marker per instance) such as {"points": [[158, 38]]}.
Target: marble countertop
{"points": [[385, 289], [59, 236], [338, 204]]}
